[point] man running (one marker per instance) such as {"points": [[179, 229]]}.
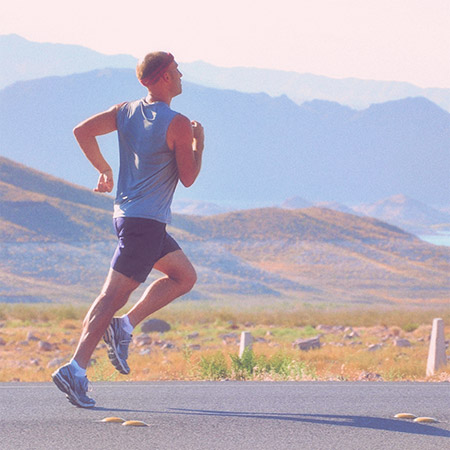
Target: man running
{"points": [[157, 148]]}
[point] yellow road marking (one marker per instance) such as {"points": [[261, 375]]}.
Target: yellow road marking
{"points": [[135, 423], [405, 416], [425, 420], [113, 420]]}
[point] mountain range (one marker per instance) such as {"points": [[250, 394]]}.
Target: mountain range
{"points": [[399, 210], [259, 150], [406, 213], [29, 136], [303, 87], [57, 240], [27, 60]]}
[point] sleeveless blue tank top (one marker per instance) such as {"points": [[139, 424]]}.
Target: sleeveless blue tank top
{"points": [[148, 173]]}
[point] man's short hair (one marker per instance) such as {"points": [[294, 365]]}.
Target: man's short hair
{"points": [[150, 68]]}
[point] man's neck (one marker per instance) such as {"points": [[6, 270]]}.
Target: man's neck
{"points": [[153, 97]]}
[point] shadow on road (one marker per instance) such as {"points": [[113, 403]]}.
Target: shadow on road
{"points": [[376, 423], [114, 410]]}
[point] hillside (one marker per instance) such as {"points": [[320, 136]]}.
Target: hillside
{"points": [[259, 150], [30, 180], [310, 224], [56, 245], [334, 255], [37, 207]]}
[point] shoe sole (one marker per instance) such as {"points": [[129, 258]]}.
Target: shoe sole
{"points": [[112, 352], [63, 386]]}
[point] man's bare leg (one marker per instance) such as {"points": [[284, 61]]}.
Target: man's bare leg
{"points": [[180, 278], [115, 294]]}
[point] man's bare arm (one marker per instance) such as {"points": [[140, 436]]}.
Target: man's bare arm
{"points": [[86, 133], [187, 140]]}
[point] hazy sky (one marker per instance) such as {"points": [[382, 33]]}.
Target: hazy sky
{"points": [[404, 40]]}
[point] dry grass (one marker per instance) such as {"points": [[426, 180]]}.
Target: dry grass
{"points": [[176, 355]]}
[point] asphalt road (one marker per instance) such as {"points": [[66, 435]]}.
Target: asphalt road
{"points": [[228, 415]]}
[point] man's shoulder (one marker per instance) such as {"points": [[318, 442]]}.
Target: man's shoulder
{"points": [[162, 106], [179, 129], [126, 106], [131, 107], [132, 103], [180, 121]]}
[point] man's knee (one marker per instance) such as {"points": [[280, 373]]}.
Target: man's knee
{"points": [[179, 269], [114, 300], [116, 290], [188, 279]]}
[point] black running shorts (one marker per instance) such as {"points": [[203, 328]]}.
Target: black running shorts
{"points": [[142, 242]]}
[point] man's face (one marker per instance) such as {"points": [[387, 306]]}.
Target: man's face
{"points": [[175, 78]]}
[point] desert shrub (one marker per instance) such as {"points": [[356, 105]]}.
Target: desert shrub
{"points": [[248, 364], [278, 366], [214, 367], [409, 327], [281, 364]]}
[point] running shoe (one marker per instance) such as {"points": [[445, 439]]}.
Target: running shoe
{"points": [[74, 387], [118, 340]]}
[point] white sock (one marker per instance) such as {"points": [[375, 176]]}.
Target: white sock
{"points": [[126, 324], [79, 371]]}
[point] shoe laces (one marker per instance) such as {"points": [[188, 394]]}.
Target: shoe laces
{"points": [[123, 345], [86, 385], [125, 341]]}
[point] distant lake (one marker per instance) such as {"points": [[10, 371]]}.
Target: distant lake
{"points": [[437, 239]]}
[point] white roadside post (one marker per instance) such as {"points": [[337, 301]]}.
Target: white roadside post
{"points": [[246, 341], [436, 352]]}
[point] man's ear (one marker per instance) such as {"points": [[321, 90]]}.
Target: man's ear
{"points": [[166, 76]]}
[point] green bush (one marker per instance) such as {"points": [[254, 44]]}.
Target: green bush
{"points": [[214, 367], [248, 365], [280, 365], [409, 327]]}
